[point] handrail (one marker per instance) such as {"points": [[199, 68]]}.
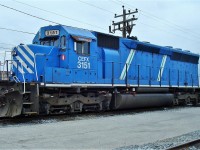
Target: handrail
{"points": [[15, 78], [6, 64], [3, 64], [184, 77], [5, 59], [23, 78], [199, 80]]}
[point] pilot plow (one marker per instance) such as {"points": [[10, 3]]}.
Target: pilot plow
{"points": [[10, 103]]}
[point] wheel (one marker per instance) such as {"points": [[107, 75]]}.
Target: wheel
{"points": [[187, 101], [2, 91], [194, 102]]}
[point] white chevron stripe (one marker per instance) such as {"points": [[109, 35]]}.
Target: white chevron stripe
{"points": [[162, 67], [28, 50], [19, 68], [25, 56], [128, 62], [23, 64]]}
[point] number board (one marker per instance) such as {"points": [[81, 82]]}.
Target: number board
{"points": [[52, 32]]}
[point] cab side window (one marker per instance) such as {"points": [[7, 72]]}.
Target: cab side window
{"points": [[82, 48], [63, 42]]}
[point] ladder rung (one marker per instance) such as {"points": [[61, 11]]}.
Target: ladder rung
{"points": [[26, 92], [27, 103], [30, 113]]}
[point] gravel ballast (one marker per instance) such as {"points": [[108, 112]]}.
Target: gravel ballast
{"points": [[167, 143]]}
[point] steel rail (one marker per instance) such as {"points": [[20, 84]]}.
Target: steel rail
{"points": [[185, 145]]}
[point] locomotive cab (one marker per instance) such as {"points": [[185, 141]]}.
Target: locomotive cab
{"points": [[50, 37], [76, 53]]}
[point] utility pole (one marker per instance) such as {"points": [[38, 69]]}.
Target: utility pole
{"points": [[126, 25]]}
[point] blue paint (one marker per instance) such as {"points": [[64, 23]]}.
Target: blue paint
{"points": [[57, 63]]}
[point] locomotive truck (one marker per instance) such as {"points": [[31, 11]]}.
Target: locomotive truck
{"points": [[68, 69]]}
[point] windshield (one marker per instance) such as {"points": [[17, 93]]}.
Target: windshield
{"points": [[50, 42]]}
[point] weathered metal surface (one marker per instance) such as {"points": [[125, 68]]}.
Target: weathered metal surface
{"points": [[10, 104], [76, 102], [152, 90], [3, 75]]}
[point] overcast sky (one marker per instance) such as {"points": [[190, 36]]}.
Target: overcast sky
{"points": [[164, 22]]}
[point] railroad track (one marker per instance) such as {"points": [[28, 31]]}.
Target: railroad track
{"points": [[76, 116], [188, 145]]}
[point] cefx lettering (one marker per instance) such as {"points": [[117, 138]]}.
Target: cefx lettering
{"points": [[83, 62]]}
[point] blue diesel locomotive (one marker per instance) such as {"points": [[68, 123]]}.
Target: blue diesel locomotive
{"points": [[67, 69]]}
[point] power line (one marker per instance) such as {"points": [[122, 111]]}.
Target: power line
{"points": [[164, 21], [175, 27], [126, 25], [28, 14], [6, 44], [141, 12], [5, 48], [46, 11], [96, 6], [156, 28], [1, 28], [60, 15]]}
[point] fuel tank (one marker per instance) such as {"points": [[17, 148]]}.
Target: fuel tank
{"points": [[129, 101], [152, 90]]}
